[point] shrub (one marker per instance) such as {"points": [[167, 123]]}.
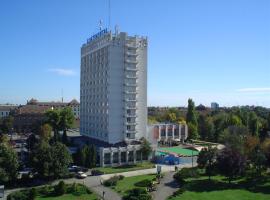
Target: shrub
{"points": [[19, 195], [113, 181], [144, 183], [32, 194], [46, 190], [60, 188], [184, 173], [137, 194]]}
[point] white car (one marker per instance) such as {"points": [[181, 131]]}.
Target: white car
{"points": [[81, 175]]}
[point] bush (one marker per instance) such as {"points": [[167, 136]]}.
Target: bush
{"points": [[19, 195], [137, 194], [60, 188], [144, 183], [184, 173], [113, 181], [46, 190], [32, 194]]}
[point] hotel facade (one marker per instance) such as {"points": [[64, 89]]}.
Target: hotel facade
{"points": [[113, 87]]}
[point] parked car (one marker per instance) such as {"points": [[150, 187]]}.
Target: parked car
{"points": [[81, 175]]}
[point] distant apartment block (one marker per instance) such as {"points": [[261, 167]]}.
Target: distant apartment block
{"points": [[113, 92], [214, 106], [164, 132], [5, 109], [28, 117], [74, 105]]}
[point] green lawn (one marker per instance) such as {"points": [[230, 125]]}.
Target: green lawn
{"points": [[236, 194], [129, 183], [126, 168], [178, 150], [219, 189], [70, 197]]}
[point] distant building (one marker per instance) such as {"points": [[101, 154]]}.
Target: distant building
{"points": [[28, 117], [5, 109], [164, 132], [214, 106], [74, 105]]}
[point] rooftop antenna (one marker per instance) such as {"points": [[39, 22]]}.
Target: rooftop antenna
{"points": [[109, 13], [62, 95], [100, 25]]}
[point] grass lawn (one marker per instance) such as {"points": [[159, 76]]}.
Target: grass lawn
{"points": [[70, 197], [219, 189], [237, 194], [129, 183], [126, 168]]}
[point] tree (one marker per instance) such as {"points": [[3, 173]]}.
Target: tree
{"points": [[230, 163], [146, 148], [8, 163], [6, 124], [206, 159], [192, 131], [266, 149], [45, 132], [66, 121], [53, 119], [250, 143], [258, 159], [61, 159], [191, 116], [51, 160], [206, 128], [254, 124], [42, 159]]}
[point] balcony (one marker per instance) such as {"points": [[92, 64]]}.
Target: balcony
{"points": [[131, 123], [134, 61], [131, 77], [131, 92], [131, 53], [131, 69], [131, 84], [132, 46], [130, 115]]}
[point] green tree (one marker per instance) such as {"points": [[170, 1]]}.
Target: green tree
{"points": [[66, 121], [146, 148], [192, 131], [191, 116], [7, 124], [53, 119], [61, 159], [258, 159], [42, 159], [206, 160], [254, 124], [45, 132], [8, 163]]}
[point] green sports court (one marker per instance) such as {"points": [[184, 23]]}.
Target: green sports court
{"points": [[177, 150]]}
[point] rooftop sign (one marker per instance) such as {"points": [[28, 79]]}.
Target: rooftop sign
{"points": [[99, 34]]}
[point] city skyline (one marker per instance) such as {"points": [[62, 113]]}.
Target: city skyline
{"points": [[207, 51]]}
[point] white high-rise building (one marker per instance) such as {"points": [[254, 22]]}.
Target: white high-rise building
{"points": [[114, 87]]}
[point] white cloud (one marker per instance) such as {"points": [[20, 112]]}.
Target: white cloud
{"points": [[262, 89], [63, 72]]}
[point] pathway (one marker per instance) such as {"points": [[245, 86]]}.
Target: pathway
{"points": [[166, 187]]}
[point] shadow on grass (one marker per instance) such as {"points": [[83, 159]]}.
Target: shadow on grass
{"points": [[258, 185]]}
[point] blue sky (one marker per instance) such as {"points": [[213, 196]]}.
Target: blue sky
{"points": [[208, 50]]}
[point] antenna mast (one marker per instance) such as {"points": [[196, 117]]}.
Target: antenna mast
{"points": [[109, 14]]}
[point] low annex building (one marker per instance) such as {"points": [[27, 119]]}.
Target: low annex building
{"points": [[164, 132]]}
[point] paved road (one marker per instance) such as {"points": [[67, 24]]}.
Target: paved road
{"points": [[94, 182], [166, 187]]}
